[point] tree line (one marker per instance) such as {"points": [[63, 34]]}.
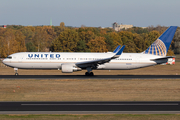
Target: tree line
{"points": [[70, 39]]}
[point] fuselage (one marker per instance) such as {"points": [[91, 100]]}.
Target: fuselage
{"points": [[54, 60]]}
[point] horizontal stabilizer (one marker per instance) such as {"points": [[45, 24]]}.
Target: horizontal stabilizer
{"points": [[163, 58]]}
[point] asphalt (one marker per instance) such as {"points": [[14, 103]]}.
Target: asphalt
{"points": [[90, 77], [159, 107], [89, 112]]}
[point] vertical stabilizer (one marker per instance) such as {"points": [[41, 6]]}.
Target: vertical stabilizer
{"points": [[161, 45]]}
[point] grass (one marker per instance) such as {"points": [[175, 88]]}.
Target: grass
{"points": [[93, 117], [89, 90]]}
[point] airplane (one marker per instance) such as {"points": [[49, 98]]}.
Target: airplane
{"points": [[69, 62]]}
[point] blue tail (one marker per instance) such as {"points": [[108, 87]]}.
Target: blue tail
{"points": [[161, 45]]}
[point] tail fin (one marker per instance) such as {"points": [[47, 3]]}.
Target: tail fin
{"points": [[161, 45]]}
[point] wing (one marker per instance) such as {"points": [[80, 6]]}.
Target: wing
{"points": [[94, 63]]}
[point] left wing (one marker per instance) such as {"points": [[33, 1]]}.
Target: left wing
{"points": [[95, 63]]}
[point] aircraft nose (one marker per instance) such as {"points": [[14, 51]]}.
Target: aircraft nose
{"points": [[4, 61]]}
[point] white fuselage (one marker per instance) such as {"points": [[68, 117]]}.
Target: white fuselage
{"points": [[54, 60]]}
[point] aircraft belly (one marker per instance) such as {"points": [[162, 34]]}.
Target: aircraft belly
{"points": [[35, 65], [119, 66], [124, 66]]}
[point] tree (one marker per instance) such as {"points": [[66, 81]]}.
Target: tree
{"points": [[138, 41], [86, 36], [2, 31], [116, 38], [29, 33], [12, 41], [41, 39], [152, 36], [170, 53], [81, 46], [109, 43], [66, 42], [125, 36], [97, 45], [31, 47], [130, 47], [20, 38]]}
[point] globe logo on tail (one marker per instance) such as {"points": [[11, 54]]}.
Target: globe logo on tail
{"points": [[157, 48]]}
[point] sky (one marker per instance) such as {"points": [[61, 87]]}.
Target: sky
{"points": [[90, 13]]}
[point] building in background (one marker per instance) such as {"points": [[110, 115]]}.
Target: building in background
{"points": [[2, 26], [118, 27]]}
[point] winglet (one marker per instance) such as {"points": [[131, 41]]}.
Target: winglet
{"points": [[119, 52], [116, 50]]}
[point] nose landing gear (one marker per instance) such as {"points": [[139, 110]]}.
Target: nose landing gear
{"points": [[16, 71]]}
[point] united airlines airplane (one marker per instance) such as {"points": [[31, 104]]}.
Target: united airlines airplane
{"points": [[117, 60]]}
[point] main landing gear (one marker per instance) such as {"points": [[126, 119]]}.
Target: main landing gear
{"points": [[16, 71], [89, 73]]}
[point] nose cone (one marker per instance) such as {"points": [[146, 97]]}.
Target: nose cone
{"points": [[3, 61]]}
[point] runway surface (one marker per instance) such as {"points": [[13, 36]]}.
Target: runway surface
{"points": [[89, 107], [90, 77], [89, 112]]}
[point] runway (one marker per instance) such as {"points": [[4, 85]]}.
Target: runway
{"points": [[90, 77], [88, 112], [89, 107]]}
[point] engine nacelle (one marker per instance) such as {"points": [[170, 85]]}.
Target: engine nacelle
{"points": [[69, 68]]}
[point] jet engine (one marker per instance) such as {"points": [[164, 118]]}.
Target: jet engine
{"points": [[69, 68]]}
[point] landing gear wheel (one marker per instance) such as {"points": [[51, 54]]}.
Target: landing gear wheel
{"points": [[87, 74], [16, 71], [91, 74]]}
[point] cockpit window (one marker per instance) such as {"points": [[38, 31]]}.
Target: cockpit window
{"points": [[9, 57]]}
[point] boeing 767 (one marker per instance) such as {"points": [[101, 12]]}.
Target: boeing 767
{"points": [[69, 62]]}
